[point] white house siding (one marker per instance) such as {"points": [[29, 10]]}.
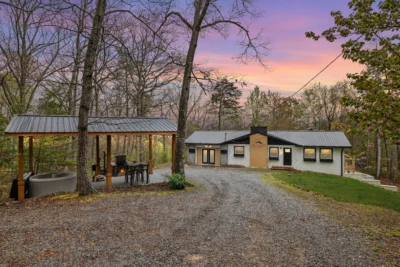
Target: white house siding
{"points": [[192, 156], [298, 162], [224, 157], [242, 161]]}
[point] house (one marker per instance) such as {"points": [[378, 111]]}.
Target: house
{"points": [[318, 151]]}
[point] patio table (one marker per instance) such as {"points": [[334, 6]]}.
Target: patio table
{"points": [[137, 169]]}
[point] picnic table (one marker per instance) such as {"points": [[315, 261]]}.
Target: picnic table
{"points": [[135, 171]]}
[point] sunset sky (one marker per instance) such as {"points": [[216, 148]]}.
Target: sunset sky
{"points": [[293, 59]]}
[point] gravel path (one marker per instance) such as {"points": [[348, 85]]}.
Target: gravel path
{"points": [[236, 221]]}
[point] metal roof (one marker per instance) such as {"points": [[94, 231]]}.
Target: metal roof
{"points": [[313, 138], [36, 125], [214, 137], [300, 138]]}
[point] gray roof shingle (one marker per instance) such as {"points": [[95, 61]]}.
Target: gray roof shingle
{"points": [[300, 138], [38, 124]]}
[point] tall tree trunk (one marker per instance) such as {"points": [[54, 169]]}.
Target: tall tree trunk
{"points": [[200, 12], [378, 156], [396, 160], [84, 185], [73, 87], [219, 116], [127, 115]]}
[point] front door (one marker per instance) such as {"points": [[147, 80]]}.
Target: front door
{"points": [[208, 156], [287, 156]]}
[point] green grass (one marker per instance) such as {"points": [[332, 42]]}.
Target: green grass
{"points": [[343, 189]]}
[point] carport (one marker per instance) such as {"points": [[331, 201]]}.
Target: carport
{"points": [[30, 126]]}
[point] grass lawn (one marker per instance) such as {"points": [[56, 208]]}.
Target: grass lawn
{"points": [[342, 189]]}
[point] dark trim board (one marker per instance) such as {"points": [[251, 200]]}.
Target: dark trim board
{"points": [[276, 141], [243, 140]]}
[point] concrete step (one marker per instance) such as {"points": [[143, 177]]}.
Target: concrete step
{"points": [[359, 176], [389, 187], [369, 181], [282, 168], [365, 178]]}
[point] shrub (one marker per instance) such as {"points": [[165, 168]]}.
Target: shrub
{"points": [[177, 181]]}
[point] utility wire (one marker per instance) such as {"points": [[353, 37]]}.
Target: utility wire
{"points": [[327, 66]]}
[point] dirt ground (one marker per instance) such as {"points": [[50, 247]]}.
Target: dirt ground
{"points": [[234, 219]]}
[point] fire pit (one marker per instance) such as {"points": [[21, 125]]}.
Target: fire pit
{"points": [[49, 183]]}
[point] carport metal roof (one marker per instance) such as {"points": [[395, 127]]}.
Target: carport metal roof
{"points": [[60, 125]]}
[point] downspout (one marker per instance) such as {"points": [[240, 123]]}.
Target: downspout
{"points": [[341, 165]]}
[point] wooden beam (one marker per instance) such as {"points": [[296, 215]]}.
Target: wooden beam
{"points": [[21, 182], [109, 170], [150, 154], [173, 147], [31, 154], [97, 155]]}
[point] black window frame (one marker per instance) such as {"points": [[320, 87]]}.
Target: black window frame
{"points": [[310, 159], [269, 153], [326, 160], [237, 155]]}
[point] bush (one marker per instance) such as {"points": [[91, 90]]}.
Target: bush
{"points": [[177, 181]]}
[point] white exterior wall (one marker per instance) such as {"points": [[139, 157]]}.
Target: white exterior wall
{"points": [[298, 162], [242, 161]]}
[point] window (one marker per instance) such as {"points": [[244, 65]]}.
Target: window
{"points": [[274, 153], [309, 154], [326, 155], [238, 151]]}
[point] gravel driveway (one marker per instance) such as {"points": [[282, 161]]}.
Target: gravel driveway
{"points": [[237, 220]]}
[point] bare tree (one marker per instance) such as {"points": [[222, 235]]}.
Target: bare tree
{"points": [[29, 47], [323, 104], [84, 185], [199, 18], [145, 64]]}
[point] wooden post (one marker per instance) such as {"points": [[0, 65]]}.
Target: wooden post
{"points": [[173, 147], [97, 155], [109, 170], [150, 154], [31, 154], [21, 182]]}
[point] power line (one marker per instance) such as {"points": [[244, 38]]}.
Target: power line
{"points": [[327, 66]]}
